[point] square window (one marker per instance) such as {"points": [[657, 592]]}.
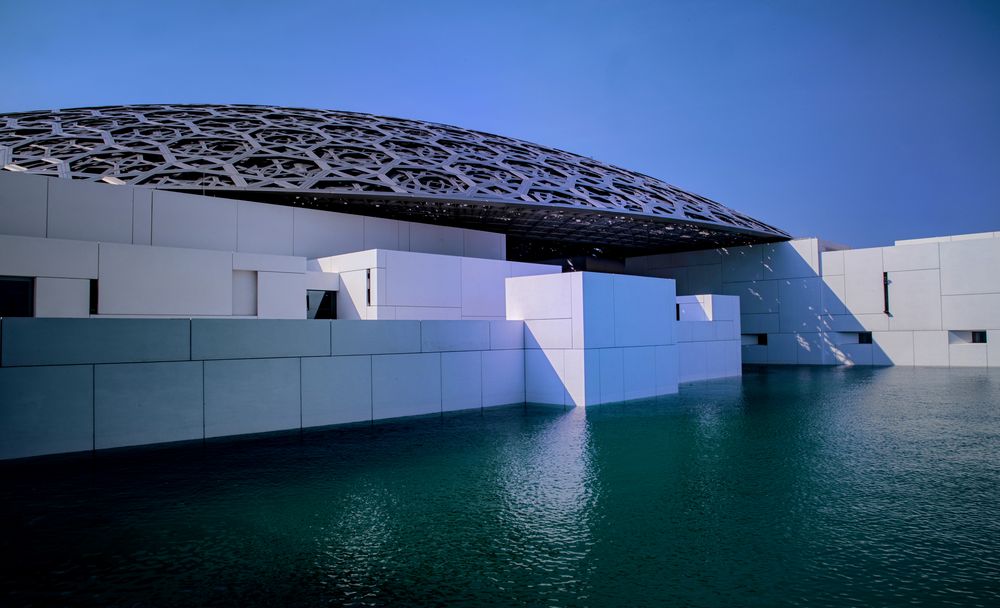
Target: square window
{"points": [[17, 297], [979, 337], [321, 304], [865, 337], [761, 339]]}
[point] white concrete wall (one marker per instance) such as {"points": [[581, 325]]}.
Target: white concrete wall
{"points": [[70, 385], [708, 337], [407, 285], [595, 338], [42, 206], [812, 300], [142, 280]]}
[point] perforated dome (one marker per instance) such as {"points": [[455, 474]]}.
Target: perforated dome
{"points": [[545, 200]]}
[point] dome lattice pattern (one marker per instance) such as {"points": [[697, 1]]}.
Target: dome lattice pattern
{"points": [[373, 165]]}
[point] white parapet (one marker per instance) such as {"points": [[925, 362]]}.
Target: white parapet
{"points": [[595, 338]]}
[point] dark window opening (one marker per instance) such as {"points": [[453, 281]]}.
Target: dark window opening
{"points": [[678, 311], [93, 296], [865, 337], [979, 337], [321, 304], [368, 287], [761, 339], [17, 297], [885, 294]]}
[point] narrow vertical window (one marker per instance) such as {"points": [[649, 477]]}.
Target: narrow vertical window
{"points": [[368, 287], [93, 296], [885, 292], [678, 311]]}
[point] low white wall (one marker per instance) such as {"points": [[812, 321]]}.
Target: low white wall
{"points": [[43, 206], [708, 337], [595, 338], [142, 280], [812, 299], [69, 385], [380, 284]]}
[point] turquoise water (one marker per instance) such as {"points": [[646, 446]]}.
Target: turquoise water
{"points": [[818, 487]]}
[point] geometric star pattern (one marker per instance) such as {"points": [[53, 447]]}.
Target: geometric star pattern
{"points": [[373, 165]]}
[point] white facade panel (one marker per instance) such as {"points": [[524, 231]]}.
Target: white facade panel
{"points": [[796, 259], [406, 385], [503, 377], [142, 403], [363, 338], [892, 348], [482, 287], [336, 390], [46, 410], [439, 336], [443, 240], [461, 380], [264, 228], [969, 267], [915, 299], [381, 233], [487, 245], [318, 234], [62, 297], [89, 211], [863, 281], [195, 222], [139, 280], [142, 216], [968, 355], [971, 312], [251, 396], [244, 293], [23, 204], [422, 280], [742, 264], [930, 348], [757, 297], [281, 295], [911, 257], [38, 257], [543, 376], [639, 372]]}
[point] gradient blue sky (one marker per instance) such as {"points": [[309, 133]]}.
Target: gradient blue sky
{"points": [[857, 121]]}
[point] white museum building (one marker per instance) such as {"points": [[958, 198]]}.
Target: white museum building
{"points": [[178, 273]]}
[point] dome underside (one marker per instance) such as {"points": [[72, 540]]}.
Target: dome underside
{"points": [[373, 165]]}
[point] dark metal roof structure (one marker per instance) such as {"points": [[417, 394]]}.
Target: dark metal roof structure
{"points": [[548, 202]]}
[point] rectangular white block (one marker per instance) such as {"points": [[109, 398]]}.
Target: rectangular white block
{"points": [[37, 257], [461, 380], [503, 377], [264, 228], [139, 280], [251, 396], [374, 337], [930, 348], [143, 403], [46, 410], [62, 297], [193, 222], [281, 295], [406, 385], [437, 336], [89, 211], [23, 203], [336, 390]]}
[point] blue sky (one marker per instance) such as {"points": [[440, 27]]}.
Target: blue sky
{"points": [[858, 121]]}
